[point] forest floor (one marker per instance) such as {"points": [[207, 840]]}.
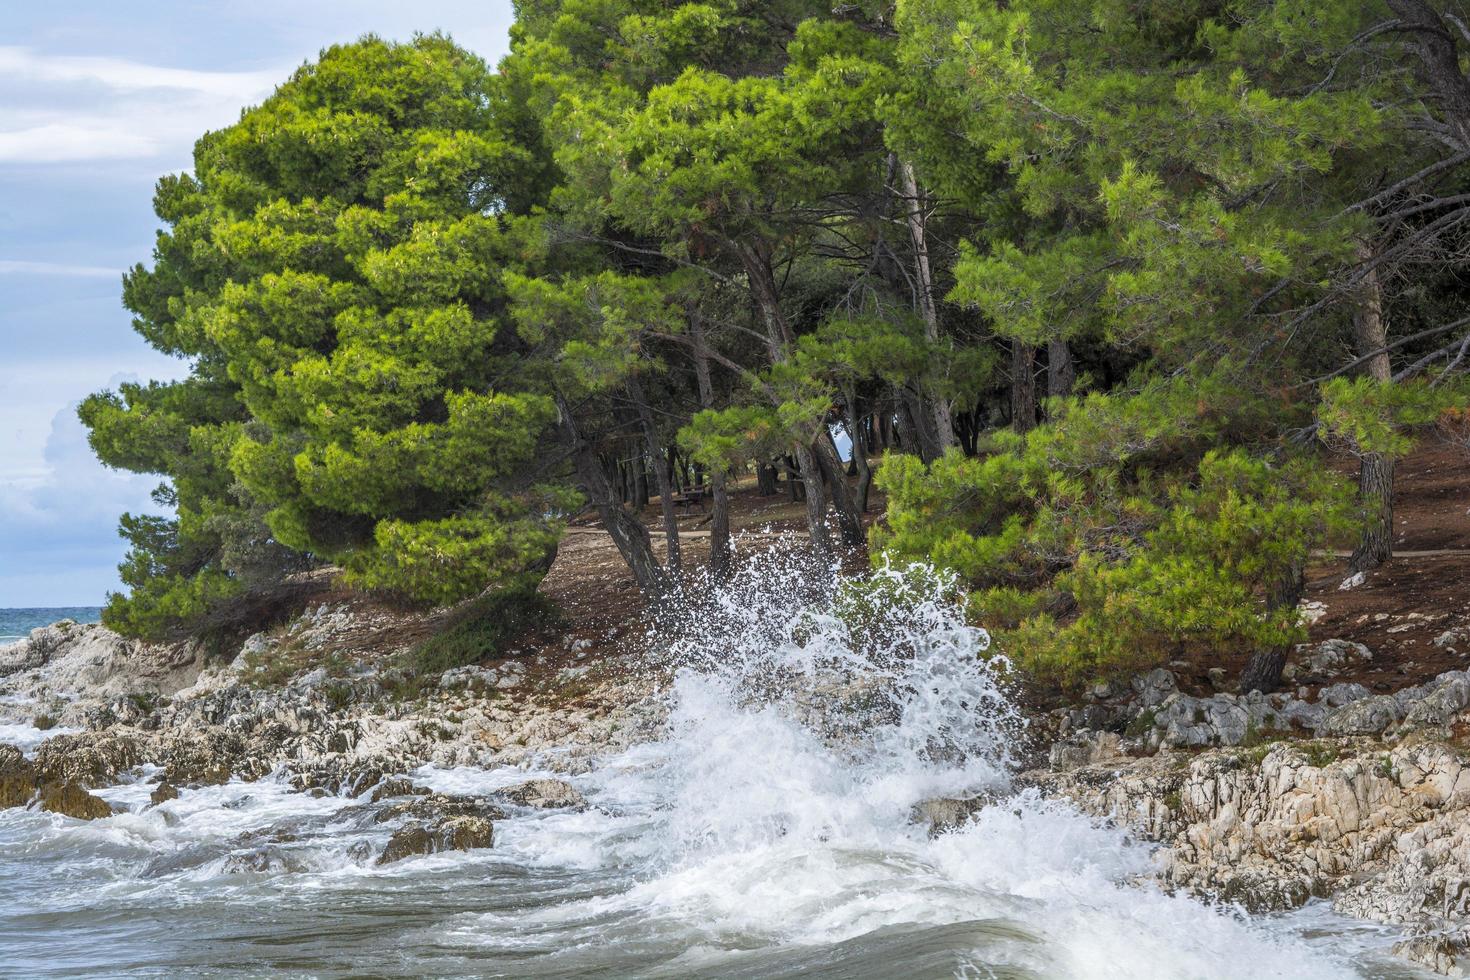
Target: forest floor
{"points": [[1398, 611]]}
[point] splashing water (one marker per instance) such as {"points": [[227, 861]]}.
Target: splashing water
{"points": [[770, 832]]}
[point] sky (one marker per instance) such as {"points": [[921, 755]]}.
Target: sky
{"points": [[97, 100]]}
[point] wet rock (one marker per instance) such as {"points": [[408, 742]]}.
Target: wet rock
{"points": [[943, 814], [162, 793], [1369, 716], [450, 834], [88, 759], [73, 801], [390, 788], [439, 806], [1444, 951], [17, 778], [543, 794]]}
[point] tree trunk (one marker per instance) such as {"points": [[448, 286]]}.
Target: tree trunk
{"points": [[860, 456], [816, 503], [1061, 372], [1023, 386], [1375, 471], [626, 530], [849, 518], [1375, 492], [661, 472], [938, 404], [640, 481], [765, 480], [1435, 45], [795, 484], [1263, 670]]}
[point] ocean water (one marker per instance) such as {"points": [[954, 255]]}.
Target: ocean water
{"points": [[16, 623], [767, 832]]}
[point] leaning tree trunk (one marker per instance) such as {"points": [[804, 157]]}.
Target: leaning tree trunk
{"points": [[1023, 386], [1263, 670], [914, 208], [849, 518], [1375, 470], [626, 530], [816, 503]]}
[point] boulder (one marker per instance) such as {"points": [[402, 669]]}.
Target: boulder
{"points": [[72, 801], [17, 778], [87, 759], [449, 834], [1084, 748], [1331, 657], [1368, 716], [163, 792], [943, 814], [543, 794], [1189, 722]]}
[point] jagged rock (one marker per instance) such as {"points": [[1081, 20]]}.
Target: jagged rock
{"points": [[943, 814], [1153, 687], [439, 806], [73, 801], [449, 834], [1337, 695], [390, 788], [1445, 951], [162, 793], [1084, 748], [1331, 657], [1435, 705], [1369, 716], [543, 794], [17, 778], [1189, 722], [90, 759]]}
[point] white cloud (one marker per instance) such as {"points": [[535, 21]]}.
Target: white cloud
{"points": [[64, 142], [69, 109], [22, 268], [131, 76]]}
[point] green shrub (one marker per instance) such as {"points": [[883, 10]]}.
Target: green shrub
{"points": [[1114, 538], [483, 628]]}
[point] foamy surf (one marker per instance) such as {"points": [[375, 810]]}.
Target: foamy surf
{"points": [[769, 832]]}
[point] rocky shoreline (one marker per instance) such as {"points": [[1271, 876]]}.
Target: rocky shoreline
{"points": [[1265, 801]]}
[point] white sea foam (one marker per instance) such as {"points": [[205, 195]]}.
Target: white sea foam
{"points": [[769, 832]]}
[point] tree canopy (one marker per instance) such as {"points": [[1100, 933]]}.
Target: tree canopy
{"points": [[1094, 291]]}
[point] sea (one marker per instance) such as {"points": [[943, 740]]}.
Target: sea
{"points": [[15, 624], [768, 831]]}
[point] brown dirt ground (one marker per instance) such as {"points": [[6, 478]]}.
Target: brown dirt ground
{"points": [[1423, 591]]}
